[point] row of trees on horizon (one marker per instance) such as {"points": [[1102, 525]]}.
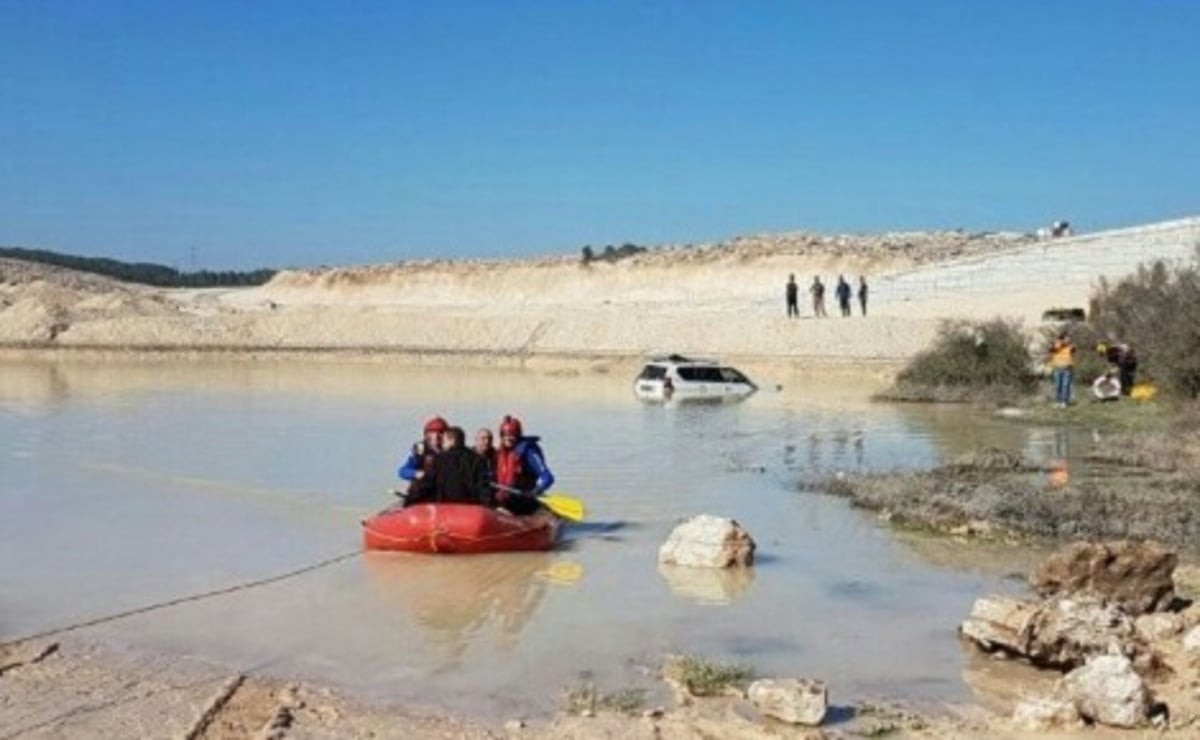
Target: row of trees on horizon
{"points": [[145, 273]]}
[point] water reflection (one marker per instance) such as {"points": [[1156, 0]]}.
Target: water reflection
{"points": [[456, 600], [716, 586]]}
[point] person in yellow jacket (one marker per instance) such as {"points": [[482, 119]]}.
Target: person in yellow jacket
{"points": [[1062, 369]]}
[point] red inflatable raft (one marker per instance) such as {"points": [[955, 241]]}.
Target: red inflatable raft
{"points": [[458, 528]]}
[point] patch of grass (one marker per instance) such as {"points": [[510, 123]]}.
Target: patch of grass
{"points": [[587, 698], [1122, 415], [703, 677], [881, 729]]}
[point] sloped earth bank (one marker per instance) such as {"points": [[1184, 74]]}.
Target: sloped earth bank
{"points": [[723, 298]]}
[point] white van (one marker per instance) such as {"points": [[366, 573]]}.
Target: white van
{"points": [[685, 378]]}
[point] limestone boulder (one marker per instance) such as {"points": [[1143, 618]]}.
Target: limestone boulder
{"points": [[706, 541], [1137, 576], [1191, 641], [1061, 632], [1046, 714], [799, 701], [1158, 626], [1065, 632], [999, 623], [1107, 690]]}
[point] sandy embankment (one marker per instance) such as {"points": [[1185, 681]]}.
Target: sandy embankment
{"points": [[724, 299]]}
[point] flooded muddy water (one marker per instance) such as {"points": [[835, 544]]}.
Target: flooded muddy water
{"points": [[125, 484]]}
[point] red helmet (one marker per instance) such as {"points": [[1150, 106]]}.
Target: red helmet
{"points": [[510, 425], [436, 424]]}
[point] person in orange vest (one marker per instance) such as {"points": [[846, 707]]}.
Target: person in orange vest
{"points": [[1062, 369], [521, 470]]}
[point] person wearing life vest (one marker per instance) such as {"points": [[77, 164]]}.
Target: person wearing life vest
{"points": [[419, 464], [520, 468], [1062, 364]]}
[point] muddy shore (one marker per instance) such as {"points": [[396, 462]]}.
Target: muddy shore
{"points": [[1141, 484]]}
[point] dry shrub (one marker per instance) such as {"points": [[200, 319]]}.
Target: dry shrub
{"points": [[973, 359], [1157, 311]]}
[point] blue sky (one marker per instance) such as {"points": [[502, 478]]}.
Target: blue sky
{"points": [[298, 133]]}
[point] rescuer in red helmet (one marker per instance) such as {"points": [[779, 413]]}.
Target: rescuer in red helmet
{"points": [[420, 461], [520, 468]]}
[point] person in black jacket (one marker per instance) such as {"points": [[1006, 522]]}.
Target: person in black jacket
{"points": [[460, 475], [843, 291], [792, 293]]}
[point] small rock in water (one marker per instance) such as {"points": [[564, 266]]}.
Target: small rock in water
{"points": [[514, 725], [707, 541]]}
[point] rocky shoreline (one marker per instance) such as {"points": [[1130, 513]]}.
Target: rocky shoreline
{"points": [[1112, 639]]}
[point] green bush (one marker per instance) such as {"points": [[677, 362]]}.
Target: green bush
{"points": [[1157, 312], [973, 356]]}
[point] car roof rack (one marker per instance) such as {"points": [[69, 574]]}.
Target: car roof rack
{"points": [[681, 359]]}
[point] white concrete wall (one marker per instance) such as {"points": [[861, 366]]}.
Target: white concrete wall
{"points": [[1027, 280]]}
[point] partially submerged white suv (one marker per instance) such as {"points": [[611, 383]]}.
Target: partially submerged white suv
{"points": [[679, 377]]}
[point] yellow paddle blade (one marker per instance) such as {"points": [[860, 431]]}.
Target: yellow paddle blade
{"points": [[566, 507]]}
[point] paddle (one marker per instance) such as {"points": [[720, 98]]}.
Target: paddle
{"points": [[564, 506]]}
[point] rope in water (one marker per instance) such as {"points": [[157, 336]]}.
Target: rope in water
{"points": [[183, 600]]}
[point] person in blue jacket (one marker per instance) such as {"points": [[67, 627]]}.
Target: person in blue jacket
{"points": [[419, 464], [521, 470]]}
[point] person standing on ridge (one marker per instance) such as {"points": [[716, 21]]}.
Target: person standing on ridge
{"points": [[793, 296], [817, 289], [862, 294], [843, 292]]}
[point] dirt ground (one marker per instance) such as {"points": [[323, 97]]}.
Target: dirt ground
{"points": [[76, 689]]}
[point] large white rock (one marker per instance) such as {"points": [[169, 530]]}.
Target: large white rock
{"points": [[1107, 690], [707, 541], [1191, 641], [800, 701], [1041, 714]]}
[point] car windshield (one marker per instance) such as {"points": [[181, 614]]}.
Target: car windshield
{"points": [[653, 372], [733, 376]]}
